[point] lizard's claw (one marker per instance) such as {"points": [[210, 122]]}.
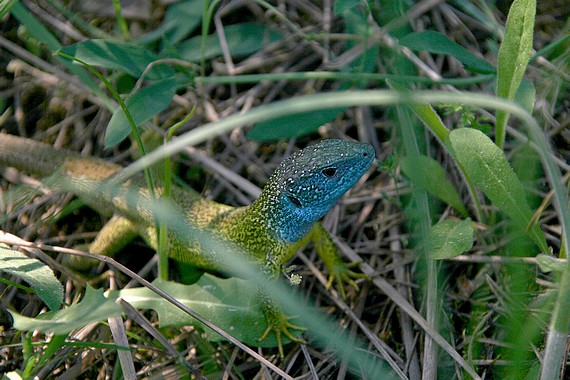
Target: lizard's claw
{"points": [[342, 274], [282, 325]]}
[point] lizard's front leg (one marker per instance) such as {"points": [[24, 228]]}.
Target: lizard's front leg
{"points": [[277, 321], [339, 271]]}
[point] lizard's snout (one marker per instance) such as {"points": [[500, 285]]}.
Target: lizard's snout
{"points": [[366, 151]]}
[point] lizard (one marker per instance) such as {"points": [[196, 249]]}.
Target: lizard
{"points": [[284, 218]]}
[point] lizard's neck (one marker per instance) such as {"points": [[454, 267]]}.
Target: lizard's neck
{"points": [[289, 223]]}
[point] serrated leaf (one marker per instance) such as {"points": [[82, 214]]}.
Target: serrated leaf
{"points": [[34, 272], [142, 105], [429, 175], [242, 39], [130, 58], [93, 308], [291, 126], [232, 304], [450, 238], [486, 164], [437, 43]]}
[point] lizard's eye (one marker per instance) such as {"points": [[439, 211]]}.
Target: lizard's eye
{"points": [[329, 172], [295, 201]]}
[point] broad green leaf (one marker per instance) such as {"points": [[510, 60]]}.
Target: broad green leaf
{"points": [[35, 273], [429, 175], [343, 5], [122, 56], [355, 20], [232, 304], [93, 308], [181, 19], [295, 125], [242, 39], [450, 238], [437, 43], [35, 27], [142, 105], [477, 12], [514, 55], [516, 47], [486, 165]]}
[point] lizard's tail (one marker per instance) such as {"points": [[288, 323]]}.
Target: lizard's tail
{"points": [[41, 160]]}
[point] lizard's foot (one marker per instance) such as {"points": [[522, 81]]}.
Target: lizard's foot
{"points": [[280, 324], [342, 275]]}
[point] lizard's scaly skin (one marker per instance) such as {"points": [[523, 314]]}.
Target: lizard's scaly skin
{"points": [[302, 189]]}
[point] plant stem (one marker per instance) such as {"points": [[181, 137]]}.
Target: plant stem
{"points": [[558, 334]]}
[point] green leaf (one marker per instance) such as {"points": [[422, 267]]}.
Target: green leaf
{"points": [[295, 125], [343, 5], [232, 304], [488, 168], [122, 56], [549, 264], [5, 6], [142, 105], [180, 20], [242, 39], [514, 55], [438, 43], [450, 238], [429, 175], [425, 112], [516, 47], [93, 308], [355, 20], [526, 95], [35, 27], [35, 273]]}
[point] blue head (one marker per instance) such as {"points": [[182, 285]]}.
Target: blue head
{"points": [[308, 184]]}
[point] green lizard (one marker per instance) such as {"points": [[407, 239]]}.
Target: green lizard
{"points": [[304, 187]]}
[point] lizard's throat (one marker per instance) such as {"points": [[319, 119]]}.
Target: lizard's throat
{"points": [[294, 226], [289, 222]]}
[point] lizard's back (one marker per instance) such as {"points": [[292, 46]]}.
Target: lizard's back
{"points": [[41, 161]]}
